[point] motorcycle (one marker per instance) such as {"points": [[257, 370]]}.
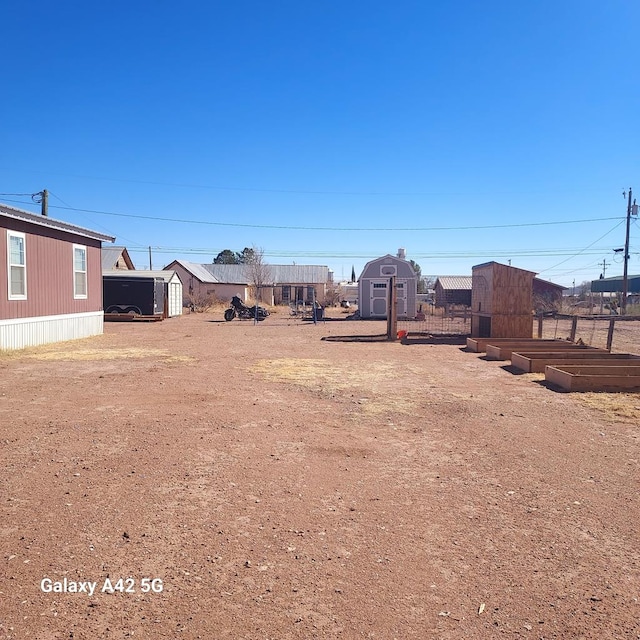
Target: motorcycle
{"points": [[238, 309]]}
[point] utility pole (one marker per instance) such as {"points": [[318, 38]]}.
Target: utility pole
{"points": [[150, 267], [604, 264], [44, 201], [625, 272]]}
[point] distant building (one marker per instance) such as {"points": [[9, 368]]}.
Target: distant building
{"points": [[453, 290], [116, 258], [282, 284], [615, 285]]}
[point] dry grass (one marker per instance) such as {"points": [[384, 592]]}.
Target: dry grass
{"points": [[76, 350], [376, 389], [615, 406]]}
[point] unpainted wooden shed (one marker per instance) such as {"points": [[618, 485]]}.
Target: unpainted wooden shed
{"points": [[501, 301]]}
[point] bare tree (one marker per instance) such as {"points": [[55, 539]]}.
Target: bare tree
{"points": [[332, 295], [201, 302], [258, 271]]}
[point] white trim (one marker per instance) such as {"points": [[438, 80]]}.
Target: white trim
{"points": [[80, 296], [16, 234], [18, 333]]}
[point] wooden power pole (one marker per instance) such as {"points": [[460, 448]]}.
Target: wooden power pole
{"points": [[625, 271]]}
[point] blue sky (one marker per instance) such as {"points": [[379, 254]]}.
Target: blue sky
{"points": [[331, 132]]}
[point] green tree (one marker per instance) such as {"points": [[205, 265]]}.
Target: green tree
{"points": [[248, 255], [422, 287], [226, 257]]}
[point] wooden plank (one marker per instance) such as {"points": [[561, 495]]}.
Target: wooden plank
{"points": [[479, 345], [600, 369], [535, 362], [131, 317], [504, 351], [586, 382]]}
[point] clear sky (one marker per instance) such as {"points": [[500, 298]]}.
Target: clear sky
{"points": [[331, 131]]}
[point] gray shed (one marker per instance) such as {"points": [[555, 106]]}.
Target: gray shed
{"points": [[374, 283]]}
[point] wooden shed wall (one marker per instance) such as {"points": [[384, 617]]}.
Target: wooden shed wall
{"points": [[502, 296], [512, 291], [482, 289]]}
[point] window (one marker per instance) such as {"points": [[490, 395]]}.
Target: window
{"points": [[79, 271], [311, 292], [286, 293], [16, 250]]}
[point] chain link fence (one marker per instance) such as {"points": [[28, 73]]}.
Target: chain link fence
{"points": [[594, 331]]}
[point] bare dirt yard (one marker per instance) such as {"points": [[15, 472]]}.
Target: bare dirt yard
{"points": [[200, 479]]}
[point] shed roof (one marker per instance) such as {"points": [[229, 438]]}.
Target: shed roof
{"points": [[455, 283], [50, 223], [545, 283], [111, 255], [386, 259], [503, 266], [165, 274]]}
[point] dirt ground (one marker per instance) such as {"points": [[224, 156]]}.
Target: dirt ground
{"points": [[279, 485]]}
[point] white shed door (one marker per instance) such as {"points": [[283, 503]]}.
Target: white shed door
{"points": [[175, 299], [378, 298], [401, 297]]}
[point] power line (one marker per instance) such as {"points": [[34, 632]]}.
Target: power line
{"points": [[587, 247], [285, 253], [340, 229]]}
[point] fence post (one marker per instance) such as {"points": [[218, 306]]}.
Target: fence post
{"points": [[612, 323], [540, 326], [574, 328], [392, 311]]}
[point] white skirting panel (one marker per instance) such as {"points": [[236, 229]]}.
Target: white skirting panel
{"points": [[19, 333]]}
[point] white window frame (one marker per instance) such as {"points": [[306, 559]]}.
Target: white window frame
{"points": [[10, 265], [76, 295]]}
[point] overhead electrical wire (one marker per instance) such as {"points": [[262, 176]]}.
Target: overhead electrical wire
{"points": [[367, 255], [338, 229], [585, 249]]}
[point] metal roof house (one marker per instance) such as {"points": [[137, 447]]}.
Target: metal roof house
{"points": [[51, 274], [453, 290], [116, 258], [282, 284], [615, 285], [373, 287], [199, 284]]}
